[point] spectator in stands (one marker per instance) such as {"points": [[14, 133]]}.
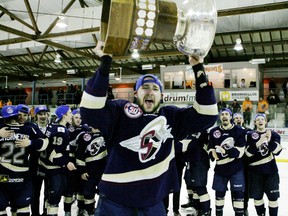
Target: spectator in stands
{"points": [[70, 94], [262, 106], [77, 95], [273, 100], [272, 85], [235, 107], [60, 96], [221, 104], [242, 84], [247, 108]]}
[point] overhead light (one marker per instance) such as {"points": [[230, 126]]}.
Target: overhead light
{"points": [[147, 67], [47, 74], [20, 84], [57, 58], [72, 71], [238, 46], [135, 53], [63, 81], [61, 22], [258, 61]]}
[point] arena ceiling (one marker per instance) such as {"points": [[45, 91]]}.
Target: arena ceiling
{"points": [[30, 39]]}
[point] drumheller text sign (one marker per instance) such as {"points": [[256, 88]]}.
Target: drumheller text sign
{"points": [[239, 95]]}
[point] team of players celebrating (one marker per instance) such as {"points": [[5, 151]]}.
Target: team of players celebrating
{"points": [[127, 152], [33, 153]]}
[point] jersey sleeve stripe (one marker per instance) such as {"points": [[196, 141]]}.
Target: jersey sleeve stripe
{"points": [[92, 102], [206, 109]]}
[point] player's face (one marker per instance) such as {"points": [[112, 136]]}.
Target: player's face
{"points": [[22, 117], [260, 123], [225, 118], [238, 120], [69, 117], [149, 97], [77, 119], [42, 117]]}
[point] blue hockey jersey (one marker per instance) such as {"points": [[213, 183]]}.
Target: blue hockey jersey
{"points": [[197, 151], [141, 168], [14, 161], [74, 131], [233, 140], [55, 158], [262, 159], [91, 154]]}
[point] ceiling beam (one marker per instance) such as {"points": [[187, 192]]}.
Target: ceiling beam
{"points": [[15, 17], [252, 31], [42, 54], [16, 32], [43, 37], [253, 9], [32, 18], [29, 64]]}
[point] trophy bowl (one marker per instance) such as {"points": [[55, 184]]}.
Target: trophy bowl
{"points": [[135, 24]]}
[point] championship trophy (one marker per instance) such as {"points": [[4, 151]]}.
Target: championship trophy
{"points": [[135, 24]]}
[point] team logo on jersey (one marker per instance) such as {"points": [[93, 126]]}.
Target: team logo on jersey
{"points": [[87, 137], [71, 128], [96, 144], [227, 144], [150, 140], [217, 133], [132, 110], [263, 149], [255, 136]]}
